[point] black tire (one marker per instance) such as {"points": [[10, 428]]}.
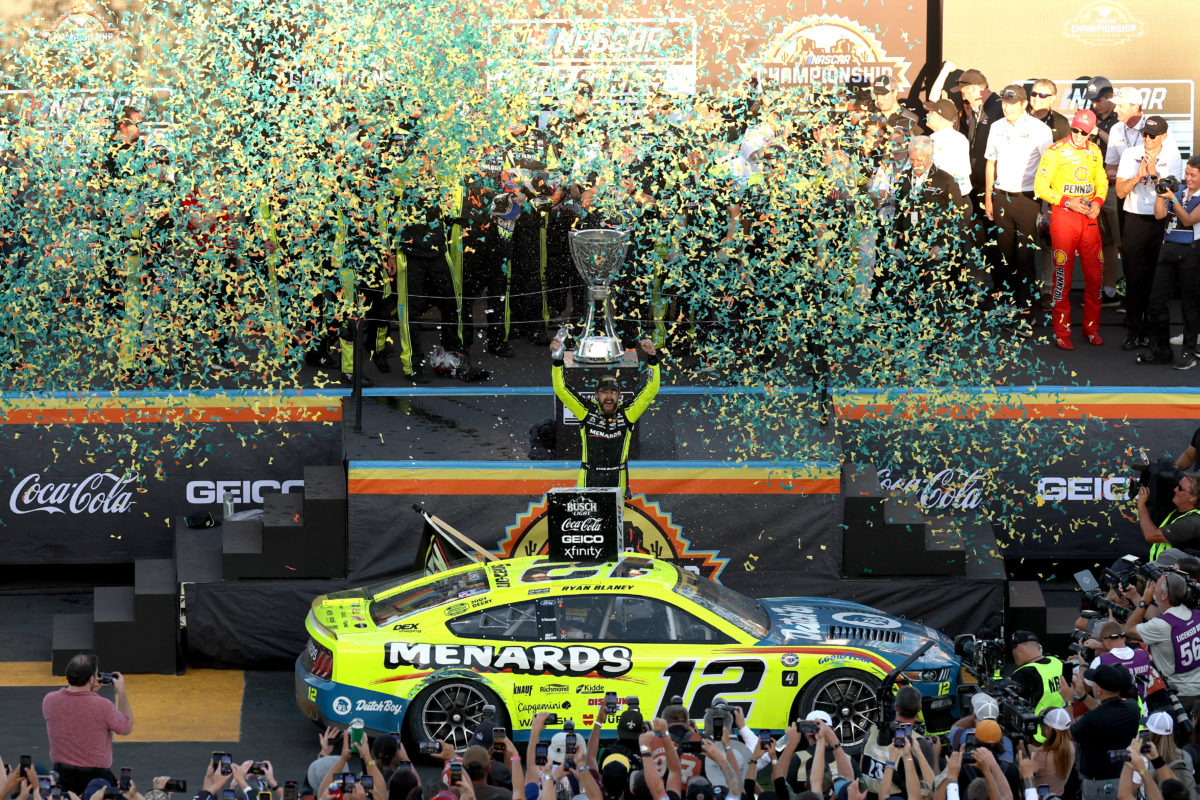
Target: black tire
{"points": [[450, 711], [849, 697]]}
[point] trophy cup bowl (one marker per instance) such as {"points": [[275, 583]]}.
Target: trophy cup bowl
{"points": [[598, 255]]}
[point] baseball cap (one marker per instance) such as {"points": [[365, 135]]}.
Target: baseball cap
{"points": [[1096, 87], [985, 706], [944, 109], [883, 84], [483, 734], [607, 382], [823, 716], [1021, 637], [971, 77], [1109, 677], [1057, 718], [476, 762], [1014, 93], [614, 775], [1084, 120], [1155, 126], [557, 752], [988, 731], [629, 726], [1160, 723], [1127, 94], [699, 789], [97, 785]]}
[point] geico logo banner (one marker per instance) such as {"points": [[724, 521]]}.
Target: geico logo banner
{"points": [[98, 493], [1051, 489], [201, 492]]}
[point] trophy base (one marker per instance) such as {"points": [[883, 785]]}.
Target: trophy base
{"points": [[599, 350]]}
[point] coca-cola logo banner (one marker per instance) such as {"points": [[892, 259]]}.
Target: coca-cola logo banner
{"points": [[98, 493]]}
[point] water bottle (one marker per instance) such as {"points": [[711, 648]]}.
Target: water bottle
{"points": [[227, 505]]}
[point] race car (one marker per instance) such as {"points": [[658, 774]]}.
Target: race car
{"points": [[426, 655]]}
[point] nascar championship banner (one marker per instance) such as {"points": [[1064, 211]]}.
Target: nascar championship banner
{"points": [[64, 504], [1131, 44]]}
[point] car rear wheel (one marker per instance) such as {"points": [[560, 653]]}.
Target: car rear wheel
{"points": [[451, 711], [848, 696]]}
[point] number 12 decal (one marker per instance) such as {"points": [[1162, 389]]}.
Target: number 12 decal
{"points": [[679, 674]]}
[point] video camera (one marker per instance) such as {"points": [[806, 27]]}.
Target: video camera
{"points": [[981, 657], [1160, 477], [1017, 717]]}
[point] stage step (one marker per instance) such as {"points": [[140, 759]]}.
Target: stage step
{"points": [[134, 628], [197, 553], [890, 535], [71, 635]]}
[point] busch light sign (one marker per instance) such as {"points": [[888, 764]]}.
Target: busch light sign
{"points": [[584, 524]]}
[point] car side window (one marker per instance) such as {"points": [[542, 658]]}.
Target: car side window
{"points": [[513, 622], [579, 618], [644, 619]]}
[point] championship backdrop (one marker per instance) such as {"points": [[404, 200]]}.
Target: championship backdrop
{"points": [[1131, 43]]}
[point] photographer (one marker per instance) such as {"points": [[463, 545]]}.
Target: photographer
{"points": [[1115, 648], [877, 750], [1109, 726], [983, 706], [80, 724], [1137, 770], [984, 761], [1038, 675], [1181, 528], [1172, 635], [1178, 264], [364, 752], [816, 749]]}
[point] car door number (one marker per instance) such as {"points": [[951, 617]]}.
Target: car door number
{"points": [[679, 678]]}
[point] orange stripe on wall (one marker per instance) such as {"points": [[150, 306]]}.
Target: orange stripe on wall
{"points": [[461, 486], [81, 416]]}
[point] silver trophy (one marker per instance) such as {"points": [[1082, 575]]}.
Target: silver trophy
{"points": [[598, 255]]}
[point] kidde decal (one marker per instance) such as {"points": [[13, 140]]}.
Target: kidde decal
{"points": [[573, 660]]}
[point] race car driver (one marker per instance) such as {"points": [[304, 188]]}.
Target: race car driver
{"points": [[1072, 180], [606, 424]]}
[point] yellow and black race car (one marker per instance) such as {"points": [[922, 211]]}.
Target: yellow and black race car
{"points": [[425, 655]]}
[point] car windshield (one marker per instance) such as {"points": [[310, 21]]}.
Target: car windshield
{"points": [[727, 604], [440, 589]]}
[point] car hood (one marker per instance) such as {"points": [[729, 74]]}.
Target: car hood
{"points": [[819, 620]]}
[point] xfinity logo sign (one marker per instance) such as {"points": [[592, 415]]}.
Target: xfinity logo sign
{"points": [[204, 492], [98, 493]]}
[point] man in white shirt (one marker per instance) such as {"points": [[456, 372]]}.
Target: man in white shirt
{"points": [[1014, 150], [1140, 168], [1178, 265], [951, 151]]}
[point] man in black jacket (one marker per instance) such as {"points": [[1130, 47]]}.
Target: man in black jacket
{"points": [[930, 212], [975, 123], [1109, 726]]}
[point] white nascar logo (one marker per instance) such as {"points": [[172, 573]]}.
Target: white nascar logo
{"points": [[341, 705], [866, 620]]}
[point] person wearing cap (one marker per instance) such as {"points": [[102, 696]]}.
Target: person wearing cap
{"points": [[1099, 92], [886, 93], [1140, 168], [1173, 636], [990, 737], [1054, 758], [1161, 726], [877, 752], [1014, 150], [1181, 527], [1178, 266], [1072, 181], [1115, 648], [983, 706], [983, 110], [605, 423], [1108, 726], [951, 151], [1038, 675]]}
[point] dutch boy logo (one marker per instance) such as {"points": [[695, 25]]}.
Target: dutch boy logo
{"points": [[342, 705]]}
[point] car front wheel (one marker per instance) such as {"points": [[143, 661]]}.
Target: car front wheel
{"points": [[848, 696], [451, 711]]}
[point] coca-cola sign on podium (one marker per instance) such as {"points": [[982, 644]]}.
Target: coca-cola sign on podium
{"points": [[584, 524], [98, 493]]}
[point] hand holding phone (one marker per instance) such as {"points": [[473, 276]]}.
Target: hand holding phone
{"points": [[540, 753], [498, 737], [455, 771], [126, 780]]}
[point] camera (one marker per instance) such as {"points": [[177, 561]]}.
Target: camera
{"points": [[257, 768], [1017, 717], [981, 657], [430, 748], [105, 679], [1118, 756], [1167, 183]]}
